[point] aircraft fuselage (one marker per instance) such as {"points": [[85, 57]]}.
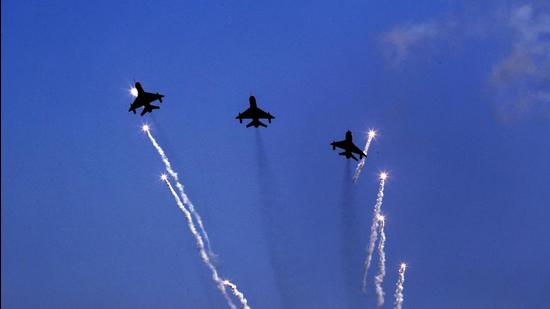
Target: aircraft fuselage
{"points": [[144, 99]]}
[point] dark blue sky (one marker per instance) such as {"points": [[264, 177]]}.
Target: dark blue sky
{"points": [[459, 93]]}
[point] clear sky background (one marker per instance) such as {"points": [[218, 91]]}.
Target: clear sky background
{"points": [[458, 91]]}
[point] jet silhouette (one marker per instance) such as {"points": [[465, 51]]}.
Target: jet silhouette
{"points": [[349, 147], [145, 99], [254, 113]]}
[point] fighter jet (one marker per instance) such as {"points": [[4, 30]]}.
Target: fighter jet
{"points": [[144, 99], [254, 113], [349, 147]]}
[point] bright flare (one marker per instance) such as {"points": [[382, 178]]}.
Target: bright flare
{"points": [[372, 134], [361, 163], [163, 177], [374, 230], [399, 287], [145, 128], [134, 91], [383, 175]]}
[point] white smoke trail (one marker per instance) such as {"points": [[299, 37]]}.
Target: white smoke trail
{"points": [[374, 228], [237, 293], [198, 238], [183, 196], [221, 283], [381, 263], [399, 287], [361, 164]]}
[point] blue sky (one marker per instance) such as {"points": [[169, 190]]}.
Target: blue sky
{"points": [[459, 94]]}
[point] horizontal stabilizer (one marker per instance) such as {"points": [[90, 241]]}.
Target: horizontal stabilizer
{"points": [[148, 109], [256, 123]]}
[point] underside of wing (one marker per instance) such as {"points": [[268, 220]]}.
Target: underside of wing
{"points": [[247, 114], [341, 144], [356, 150], [263, 115], [150, 97], [137, 102]]}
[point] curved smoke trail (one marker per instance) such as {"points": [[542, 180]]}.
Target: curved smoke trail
{"points": [[374, 228], [399, 287], [221, 283], [198, 238], [361, 164], [381, 263], [237, 293], [183, 196]]}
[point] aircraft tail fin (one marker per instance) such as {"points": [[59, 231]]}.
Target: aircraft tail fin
{"points": [[139, 88], [349, 137]]}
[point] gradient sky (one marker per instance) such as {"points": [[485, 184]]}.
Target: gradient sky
{"points": [[459, 93]]}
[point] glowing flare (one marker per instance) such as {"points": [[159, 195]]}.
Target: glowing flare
{"points": [[145, 128], [163, 177], [383, 175], [372, 133], [134, 92]]}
